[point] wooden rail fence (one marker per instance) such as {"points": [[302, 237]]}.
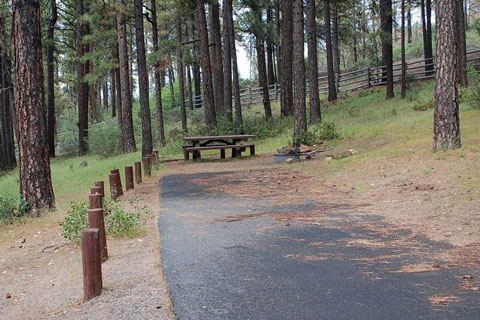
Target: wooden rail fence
{"points": [[352, 80]]}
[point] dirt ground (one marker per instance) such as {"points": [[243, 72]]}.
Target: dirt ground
{"points": [[41, 273], [436, 196]]}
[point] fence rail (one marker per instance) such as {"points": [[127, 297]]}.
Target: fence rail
{"points": [[352, 80]]}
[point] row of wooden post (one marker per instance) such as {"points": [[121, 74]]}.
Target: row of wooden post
{"points": [[94, 238]]}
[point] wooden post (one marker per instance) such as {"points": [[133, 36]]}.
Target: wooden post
{"points": [[146, 166], [101, 185], [119, 182], [95, 190], [369, 75], [157, 157], [91, 263], [95, 201], [97, 220], [276, 92], [138, 172], [113, 186], [129, 178], [249, 96], [152, 160]]}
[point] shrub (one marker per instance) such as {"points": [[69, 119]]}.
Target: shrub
{"points": [[75, 221], [104, 139], [422, 105], [320, 133], [119, 222], [12, 209]]}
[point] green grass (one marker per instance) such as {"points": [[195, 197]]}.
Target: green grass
{"points": [[69, 177]]}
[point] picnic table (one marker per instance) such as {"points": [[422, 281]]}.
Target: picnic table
{"points": [[234, 142]]}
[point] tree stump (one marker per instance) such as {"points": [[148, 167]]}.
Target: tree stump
{"points": [[138, 172], [129, 178], [91, 263]]}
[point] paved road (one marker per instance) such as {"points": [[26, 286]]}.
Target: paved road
{"points": [[258, 268]]}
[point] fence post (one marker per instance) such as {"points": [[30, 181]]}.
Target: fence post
{"points": [[276, 92], [146, 166], [96, 220], [369, 75], [138, 172], [113, 186], [101, 185], [129, 178], [119, 181], [249, 95], [91, 264], [95, 200]]}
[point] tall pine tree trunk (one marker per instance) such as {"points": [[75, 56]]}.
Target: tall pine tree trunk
{"points": [[404, 64], [270, 67], [387, 48], [217, 67], [190, 88], [227, 63], [332, 91], [446, 125], [113, 92], [82, 86], [409, 19], [299, 104], [157, 77], [315, 112], [181, 78], [144, 88], [461, 45], [210, 115], [35, 176], [7, 142], [428, 38], [335, 44], [126, 93], [50, 48], [286, 95]]}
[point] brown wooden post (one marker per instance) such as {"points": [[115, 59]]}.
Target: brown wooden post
{"points": [[113, 186], [138, 172], [157, 157], [129, 178], [95, 190], [101, 185], [97, 220], [91, 263], [146, 167], [152, 160], [95, 200], [119, 182], [369, 75]]}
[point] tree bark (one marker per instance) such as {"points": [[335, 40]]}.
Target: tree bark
{"points": [[113, 92], [119, 108], [210, 114], [409, 19], [446, 125], [235, 80], [7, 142], [270, 66], [428, 39], [144, 88], [126, 100], [387, 48], [286, 95], [461, 45], [335, 44], [82, 86], [50, 49], [404, 65], [92, 91], [299, 104], [315, 112], [35, 177], [332, 92], [218, 77], [171, 82], [196, 69], [181, 78], [190, 88], [227, 62], [157, 77]]}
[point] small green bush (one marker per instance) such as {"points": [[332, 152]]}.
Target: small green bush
{"points": [[104, 139], [319, 133], [75, 221], [422, 105], [119, 222], [12, 209]]}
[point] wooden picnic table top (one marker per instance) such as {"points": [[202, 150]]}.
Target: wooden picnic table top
{"points": [[233, 137]]}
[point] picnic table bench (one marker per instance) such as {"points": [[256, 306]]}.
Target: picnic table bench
{"points": [[222, 143]]}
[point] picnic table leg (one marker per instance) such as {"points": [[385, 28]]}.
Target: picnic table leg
{"points": [[199, 157], [186, 154], [252, 150], [222, 153]]}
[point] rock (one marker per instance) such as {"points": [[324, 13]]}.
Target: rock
{"points": [[84, 164], [288, 161], [305, 149], [435, 265], [329, 158], [352, 151], [8, 296]]}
